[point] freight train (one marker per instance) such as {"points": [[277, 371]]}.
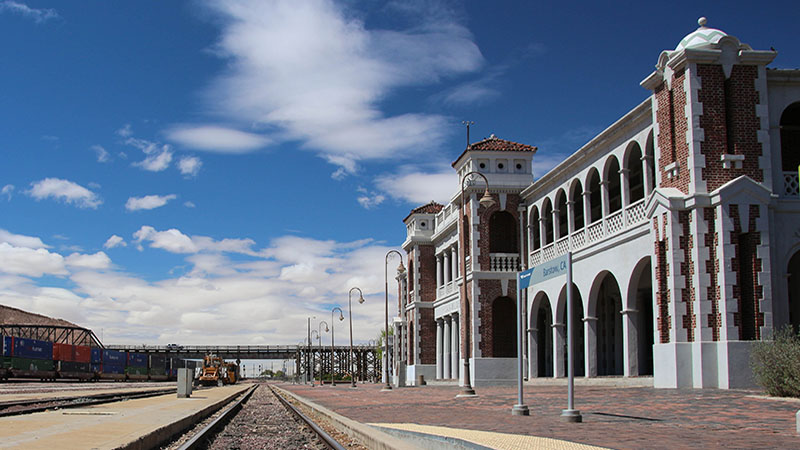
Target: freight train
{"points": [[31, 358]]}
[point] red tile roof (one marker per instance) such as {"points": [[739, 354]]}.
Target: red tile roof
{"points": [[430, 208], [495, 144]]}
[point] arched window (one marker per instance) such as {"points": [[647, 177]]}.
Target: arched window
{"points": [[649, 152], [790, 138], [504, 328], [633, 162], [614, 186], [563, 221], [576, 197], [595, 197], [536, 237], [547, 215], [502, 233]]}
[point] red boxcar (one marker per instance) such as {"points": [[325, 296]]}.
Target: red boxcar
{"points": [[63, 352], [82, 353]]}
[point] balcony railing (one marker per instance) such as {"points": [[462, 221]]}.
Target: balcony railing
{"points": [[504, 262], [791, 184], [615, 223]]}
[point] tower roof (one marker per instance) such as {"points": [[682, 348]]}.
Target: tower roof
{"points": [[495, 144], [429, 208], [701, 37]]}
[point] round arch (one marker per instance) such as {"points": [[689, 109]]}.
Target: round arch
{"points": [[592, 184], [561, 207], [604, 306], [639, 303], [612, 176], [790, 137], [576, 197], [541, 337], [577, 327], [632, 162], [536, 234], [650, 162], [547, 215]]}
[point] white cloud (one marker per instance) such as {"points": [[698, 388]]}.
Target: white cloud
{"points": [[171, 240], [189, 204], [148, 202], [38, 15], [30, 262], [97, 261], [217, 139], [420, 187], [125, 131], [369, 200], [19, 240], [115, 241], [8, 191], [102, 154], [190, 166], [158, 156], [66, 191], [311, 72]]}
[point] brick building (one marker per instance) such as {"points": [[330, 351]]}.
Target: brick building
{"points": [[683, 219]]}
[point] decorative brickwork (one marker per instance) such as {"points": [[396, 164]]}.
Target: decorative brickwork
{"points": [[729, 123], [483, 228], [662, 274], [712, 269], [686, 243], [747, 291], [490, 291], [673, 127], [427, 273]]}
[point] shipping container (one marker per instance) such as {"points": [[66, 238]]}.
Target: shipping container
{"points": [[32, 364], [158, 361], [131, 370], [63, 352], [71, 366], [97, 356], [32, 349], [137, 359], [82, 353], [8, 345], [5, 362], [113, 368], [114, 357], [95, 367]]}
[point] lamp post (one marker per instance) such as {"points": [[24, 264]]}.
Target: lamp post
{"points": [[400, 269], [309, 369], [341, 317], [311, 356], [486, 201], [321, 358], [350, 306]]}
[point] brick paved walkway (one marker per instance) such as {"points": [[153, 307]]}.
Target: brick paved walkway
{"points": [[615, 417]]}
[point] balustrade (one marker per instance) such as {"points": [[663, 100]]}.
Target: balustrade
{"points": [[791, 184], [504, 262]]}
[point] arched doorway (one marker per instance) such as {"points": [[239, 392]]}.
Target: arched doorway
{"points": [[504, 328], [633, 163], [577, 330], [609, 328], [614, 185], [642, 290], [543, 325], [790, 138], [793, 272], [502, 233]]}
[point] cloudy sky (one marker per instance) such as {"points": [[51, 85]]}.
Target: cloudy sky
{"points": [[216, 172]]}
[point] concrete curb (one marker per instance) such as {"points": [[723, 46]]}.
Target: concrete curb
{"points": [[164, 434], [370, 437], [432, 441]]}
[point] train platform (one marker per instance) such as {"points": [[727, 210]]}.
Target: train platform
{"points": [[60, 391], [131, 424], [615, 415]]}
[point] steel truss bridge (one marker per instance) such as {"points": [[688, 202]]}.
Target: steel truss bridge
{"points": [[366, 364]]}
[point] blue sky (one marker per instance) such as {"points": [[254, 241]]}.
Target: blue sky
{"points": [[201, 172]]}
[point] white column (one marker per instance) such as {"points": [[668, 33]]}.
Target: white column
{"points": [[606, 202], [590, 346], [448, 268], [542, 231], [570, 217], [624, 175], [448, 348], [649, 182], [587, 208], [556, 225], [533, 349], [438, 271], [439, 349], [455, 349], [559, 336], [630, 342], [454, 263]]}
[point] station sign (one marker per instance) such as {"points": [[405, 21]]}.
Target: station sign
{"points": [[543, 272]]}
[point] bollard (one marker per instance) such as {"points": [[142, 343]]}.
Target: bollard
{"points": [[185, 383], [421, 380], [797, 422]]}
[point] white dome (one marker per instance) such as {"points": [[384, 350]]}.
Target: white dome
{"points": [[701, 37]]}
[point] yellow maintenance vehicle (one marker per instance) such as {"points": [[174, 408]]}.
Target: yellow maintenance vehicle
{"points": [[217, 371]]}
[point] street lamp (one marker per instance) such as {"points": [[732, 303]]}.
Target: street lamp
{"points": [[400, 269], [341, 317], [309, 369], [321, 358], [350, 306], [486, 201]]}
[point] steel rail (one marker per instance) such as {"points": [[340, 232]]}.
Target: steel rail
{"points": [[75, 402], [201, 439], [325, 437]]}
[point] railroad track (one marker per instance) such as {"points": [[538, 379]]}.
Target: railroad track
{"points": [[19, 407], [271, 425]]}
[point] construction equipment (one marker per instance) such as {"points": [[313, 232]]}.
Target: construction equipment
{"points": [[217, 371]]}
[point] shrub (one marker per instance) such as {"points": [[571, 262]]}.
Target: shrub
{"points": [[776, 363]]}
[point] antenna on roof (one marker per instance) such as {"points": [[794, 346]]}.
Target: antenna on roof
{"points": [[467, 123]]}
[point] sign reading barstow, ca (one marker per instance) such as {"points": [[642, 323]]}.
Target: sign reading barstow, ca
{"points": [[542, 272]]}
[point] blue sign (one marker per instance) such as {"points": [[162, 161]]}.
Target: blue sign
{"points": [[542, 272]]}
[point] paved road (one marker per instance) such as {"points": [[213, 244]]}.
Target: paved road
{"points": [[615, 417]]}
